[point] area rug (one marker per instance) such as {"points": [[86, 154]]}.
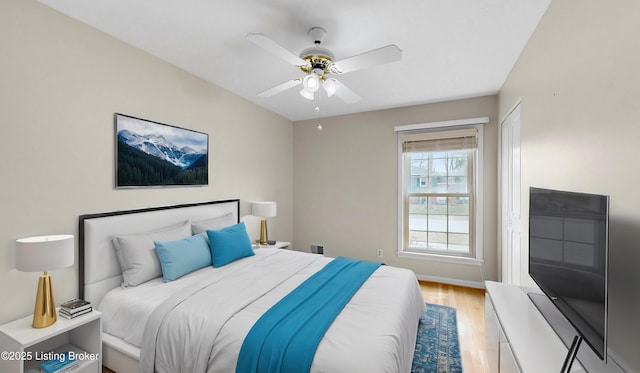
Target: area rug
{"points": [[437, 345]]}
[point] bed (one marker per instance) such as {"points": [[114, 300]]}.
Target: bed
{"points": [[199, 320]]}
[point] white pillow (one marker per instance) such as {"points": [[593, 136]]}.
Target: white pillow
{"points": [[214, 224], [137, 252]]}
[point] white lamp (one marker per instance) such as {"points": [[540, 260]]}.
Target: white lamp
{"points": [[264, 210], [40, 254]]}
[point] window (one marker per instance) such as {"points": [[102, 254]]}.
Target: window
{"points": [[439, 199]]}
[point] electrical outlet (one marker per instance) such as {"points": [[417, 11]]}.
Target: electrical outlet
{"points": [[379, 253]]}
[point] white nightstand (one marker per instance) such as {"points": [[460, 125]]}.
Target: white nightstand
{"points": [[23, 347], [281, 245], [278, 245]]}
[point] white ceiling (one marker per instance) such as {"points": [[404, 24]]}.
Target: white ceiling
{"points": [[451, 48]]}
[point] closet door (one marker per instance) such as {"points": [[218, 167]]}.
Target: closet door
{"points": [[510, 198]]}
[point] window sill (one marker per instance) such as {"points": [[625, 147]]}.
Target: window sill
{"points": [[441, 258]]}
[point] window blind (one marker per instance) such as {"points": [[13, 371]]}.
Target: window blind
{"points": [[440, 140]]}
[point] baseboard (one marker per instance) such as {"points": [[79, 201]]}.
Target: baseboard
{"points": [[451, 281]]}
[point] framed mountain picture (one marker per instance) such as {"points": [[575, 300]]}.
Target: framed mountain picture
{"points": [[152, 154]]}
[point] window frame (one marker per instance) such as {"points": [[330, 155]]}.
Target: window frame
{"points": [[477, 227]]}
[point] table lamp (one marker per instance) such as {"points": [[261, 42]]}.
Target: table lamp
{"points": [[40, 254], [264, 210]]}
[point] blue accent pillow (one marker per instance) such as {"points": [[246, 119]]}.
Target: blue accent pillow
{"points": [[229, 244], [177, 258]]}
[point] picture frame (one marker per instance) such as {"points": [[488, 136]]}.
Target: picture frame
{"points": [[150, 154]]}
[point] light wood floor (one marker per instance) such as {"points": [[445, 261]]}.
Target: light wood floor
{"points": [[469, 305]]}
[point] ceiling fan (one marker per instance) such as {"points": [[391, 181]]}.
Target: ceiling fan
{"points": [[319, 66]]}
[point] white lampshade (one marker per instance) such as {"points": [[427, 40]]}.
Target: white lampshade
{"points": [[44, 253], [264, 209], [306, 94], [330, 86], [311, 82]]}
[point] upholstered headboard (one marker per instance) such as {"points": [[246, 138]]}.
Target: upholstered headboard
{"points": [[99, 267]]}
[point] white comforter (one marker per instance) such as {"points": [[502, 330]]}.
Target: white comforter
{"points": [[375, 332]]}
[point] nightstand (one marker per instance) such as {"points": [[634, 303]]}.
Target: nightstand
{"points": [[280, 245], [23, 347]]}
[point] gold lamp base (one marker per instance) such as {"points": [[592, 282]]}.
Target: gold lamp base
{"points": [[264, 235], [44, 313]]}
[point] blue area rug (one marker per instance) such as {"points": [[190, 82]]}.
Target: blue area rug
{"points": [[437, 345]]}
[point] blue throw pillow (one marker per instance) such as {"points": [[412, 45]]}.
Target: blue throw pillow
{"points": [[177, 258], [229, 244]]}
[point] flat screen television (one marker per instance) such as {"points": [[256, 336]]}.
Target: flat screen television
{"points": [[568, 259]]}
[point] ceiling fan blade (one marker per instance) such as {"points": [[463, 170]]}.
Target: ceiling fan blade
{"points": [[346, 94], [267, 43], [389, 53], [280, 88]]}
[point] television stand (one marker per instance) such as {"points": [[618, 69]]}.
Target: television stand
{"points": [[571, 355], [520, 339]]}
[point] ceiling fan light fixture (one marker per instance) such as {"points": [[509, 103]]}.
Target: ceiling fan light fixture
{"points": [[311, 83], [330, 86], [318, 63], [306, 94]]}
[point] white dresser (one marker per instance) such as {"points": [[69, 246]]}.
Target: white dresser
{"points": [[520, 340]]}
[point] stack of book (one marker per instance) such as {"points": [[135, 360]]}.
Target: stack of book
{"points": [[74, 308], [61, 364]]}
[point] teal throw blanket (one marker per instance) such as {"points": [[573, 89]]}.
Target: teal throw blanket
{"points": [[285, 338]]}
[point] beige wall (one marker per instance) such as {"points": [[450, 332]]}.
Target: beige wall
{"points": [[60, 84], [346, 185], [579, 81]]}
